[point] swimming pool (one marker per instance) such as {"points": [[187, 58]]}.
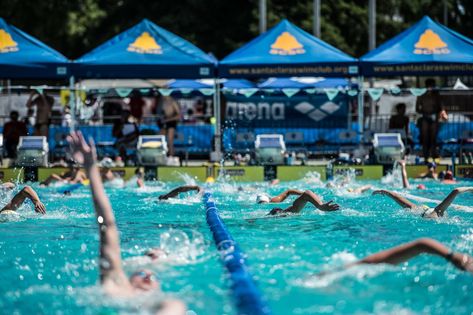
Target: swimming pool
{"points": [[50, 263]]}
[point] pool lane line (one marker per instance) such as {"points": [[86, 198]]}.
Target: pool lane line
{"points": [[246, 295]]}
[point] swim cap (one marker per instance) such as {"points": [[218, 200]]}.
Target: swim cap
{"points": [[262, 198], [448, 175], [210, 180], [421, 186], [431, 165]]}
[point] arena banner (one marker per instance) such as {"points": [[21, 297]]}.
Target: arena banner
{"points": [[301, 111], [180, 174], [361, 171], [288, 173], [464, 171], [15, 175], [414, 171], [241, 173]]}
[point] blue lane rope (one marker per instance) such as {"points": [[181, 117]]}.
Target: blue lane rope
{"points": [[247, 297]]}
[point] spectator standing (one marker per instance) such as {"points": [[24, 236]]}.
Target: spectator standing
{"points": [[44, 105], [430, 108], [126, 132], [136, 105], [12, 131], [169, 115]]}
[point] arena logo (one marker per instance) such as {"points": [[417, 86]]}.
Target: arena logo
{"points": [[145, 44], [430, 43], [7, 44], [315, 113], [255, 111]]}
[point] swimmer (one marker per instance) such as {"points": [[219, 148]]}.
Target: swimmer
{"points": [[431, 213], [112, 276], [404, 252], [302, 200], [263, 198], [73, 175], [344, 182], [181, 189], [431, 171], [26, 193], [140, 174], [106, 174], [446, 177]]}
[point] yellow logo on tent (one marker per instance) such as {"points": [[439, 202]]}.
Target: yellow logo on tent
{"points": [[7, 44], [286, 44], [145, 44], [430, 43]]}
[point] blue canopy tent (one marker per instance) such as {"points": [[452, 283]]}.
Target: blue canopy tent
{"points": [[304, 83], [426, 48], [200, 84], [145, 51], [24, 57], [287, 50]]}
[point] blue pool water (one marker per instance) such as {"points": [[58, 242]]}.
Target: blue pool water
{"points": [[49, 262]]}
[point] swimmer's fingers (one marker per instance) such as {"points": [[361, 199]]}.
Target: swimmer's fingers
{"points": [[39, 207], [330, 206]]}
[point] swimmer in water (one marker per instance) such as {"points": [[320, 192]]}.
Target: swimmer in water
{"points": [[405, 180], [302, 200], [26, 193], [7, 186], [344, 183], [264, 198], [112, 276], [430, 213], [181, 189], [404, 252], [73, 175], [431, 171]]}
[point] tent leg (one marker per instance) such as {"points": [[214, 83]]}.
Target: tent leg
{"points": [[361, 105], [217, 154], [72, 102]]}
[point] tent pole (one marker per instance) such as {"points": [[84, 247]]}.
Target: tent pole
{"points": [[361, 101], [218, 122], [72, 102]]}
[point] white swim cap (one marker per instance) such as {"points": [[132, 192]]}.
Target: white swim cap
{"points": [[262, 198]]}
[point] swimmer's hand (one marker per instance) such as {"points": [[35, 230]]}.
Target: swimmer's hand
{"points": [[39, 207], [82, 152], [329, 206], [462, 262], [164, 197]]}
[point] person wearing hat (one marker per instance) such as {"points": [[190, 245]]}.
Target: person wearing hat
{"points": [[431, 171], [305, 198], [425, 211], [73, 175], [264, 198]]}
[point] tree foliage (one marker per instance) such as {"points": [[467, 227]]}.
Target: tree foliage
{"points": [[217, 26]]}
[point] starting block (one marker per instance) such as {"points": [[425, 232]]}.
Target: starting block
{"points": [[32, 151], [388, 147], [270, 149], [152, 150]]}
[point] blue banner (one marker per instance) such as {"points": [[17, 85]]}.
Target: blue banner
{"points": [[304, 111]]}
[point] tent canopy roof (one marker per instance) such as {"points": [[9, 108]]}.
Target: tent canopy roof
{"points": [[24, 57], [146, 51], [426, 48], [287, 50]]}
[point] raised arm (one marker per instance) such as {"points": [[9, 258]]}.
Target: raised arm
{"points": [[26, 193], [403, 202], [283, 196], [440, 209], [407, 251], [310, 197], [181, 189], [110, 260], [405, 180]]}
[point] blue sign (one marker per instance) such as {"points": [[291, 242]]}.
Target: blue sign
{"points": [[305, 111]]}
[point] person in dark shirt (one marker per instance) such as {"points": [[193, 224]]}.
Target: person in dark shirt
{"points": [[431, 110], [136, 105], [12, 131], [126, 132], [400, 120]]}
